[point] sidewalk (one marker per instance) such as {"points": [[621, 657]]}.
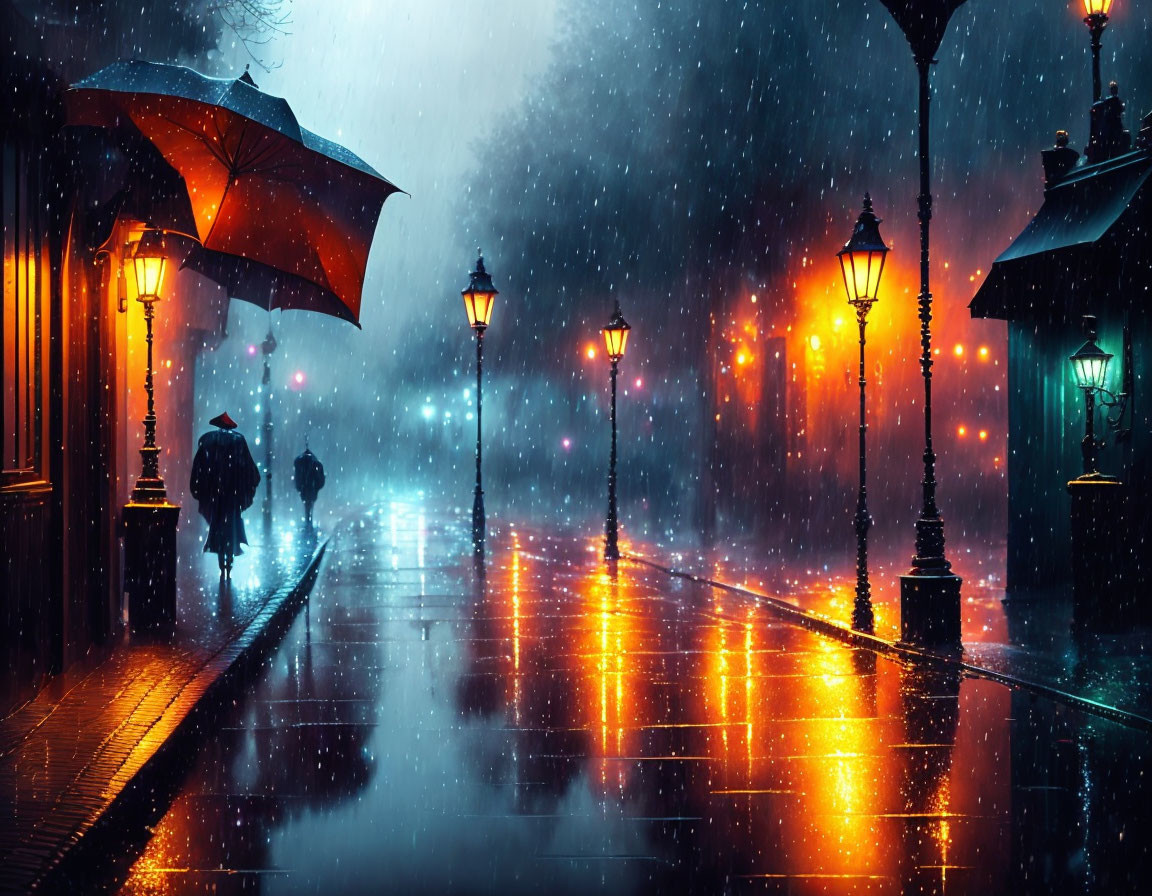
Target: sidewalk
{"points": [[91, 739], [549, 723], [1030, 642]]}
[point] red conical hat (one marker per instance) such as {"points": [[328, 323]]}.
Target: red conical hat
{"points": [[223, 421]]}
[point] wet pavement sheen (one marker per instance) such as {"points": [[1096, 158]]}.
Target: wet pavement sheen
{"points": [[551, 727]]}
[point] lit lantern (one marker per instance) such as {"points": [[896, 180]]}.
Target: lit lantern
{"points": [[616, 335], [149, 261], [479, 296], [1097, 7], [862, 258], [1090, 364]]}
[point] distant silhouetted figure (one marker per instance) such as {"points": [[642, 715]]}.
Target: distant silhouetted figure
{"points": [[308, 473], [224, 481]]}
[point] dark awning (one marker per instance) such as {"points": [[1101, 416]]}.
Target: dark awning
{"points": [[1069, 259]]}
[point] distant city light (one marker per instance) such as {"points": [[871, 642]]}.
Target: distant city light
{"points": [[983, 435], [639, 383], [961, 431], [299, 377], [958, 350], [590, 352], [428, 411], [814, 341], [743, 358], [567, 443], [983, 353], [252, 350], [753, 299], [467, 394]]}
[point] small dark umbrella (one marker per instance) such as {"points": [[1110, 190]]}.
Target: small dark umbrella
{"points": [[285, 218]]}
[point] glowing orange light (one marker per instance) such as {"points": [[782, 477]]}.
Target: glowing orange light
{"points": [[753, 300], [590, 352], [983, 434], [961, 431], [983, 353], [814, 341], [741, 358], [479, 296], [1097, 7], [958, 350]]}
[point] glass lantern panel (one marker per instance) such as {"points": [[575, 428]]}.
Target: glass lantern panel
{"points": [[149, 271], [615, 340]]}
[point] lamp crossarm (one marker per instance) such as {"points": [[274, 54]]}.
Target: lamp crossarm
{"points": [[1118, 404]]}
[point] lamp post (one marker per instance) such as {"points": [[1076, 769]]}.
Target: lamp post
{"points": [[1096, 18], [1090, 367], [862, 264], [1102, 545], [268, 346], [149, 262], [930, 592], [149, 519], [479, 296], [615, 341]]}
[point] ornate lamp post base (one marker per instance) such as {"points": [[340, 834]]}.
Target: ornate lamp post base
{"points": [[1102, 597], [150, 565], [930, 609], [149, 488]]}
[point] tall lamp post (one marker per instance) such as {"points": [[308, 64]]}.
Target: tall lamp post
{"points": [[1096, 18], [479, 296], [862, 264], [930, 592], [149, 519], [149, 262], [1102, 545], [268, 346], [615, 341], [1090, 367]]}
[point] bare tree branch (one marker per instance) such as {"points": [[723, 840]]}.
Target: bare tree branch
{"points": [[255, 22]]}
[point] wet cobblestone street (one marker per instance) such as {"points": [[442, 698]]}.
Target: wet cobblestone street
{"points": [[547, 726]]}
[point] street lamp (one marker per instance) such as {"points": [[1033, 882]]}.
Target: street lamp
{"points": [[615, 341], [1090, 367], [930, 591], [862, 264], [1096, 18], [149, 261], [479, 296]]}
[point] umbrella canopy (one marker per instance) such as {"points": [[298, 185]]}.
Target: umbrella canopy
{"points": [[273, 203]]}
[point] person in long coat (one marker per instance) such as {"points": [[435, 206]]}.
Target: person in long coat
{"points": [[308, 473], [224, 481]]}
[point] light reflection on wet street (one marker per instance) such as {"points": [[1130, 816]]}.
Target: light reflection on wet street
{"points": [[551, 727]]}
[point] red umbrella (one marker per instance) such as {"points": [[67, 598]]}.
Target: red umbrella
{"points": [[285, 218]]}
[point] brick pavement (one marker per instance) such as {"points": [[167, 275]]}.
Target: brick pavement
{"points": [[70, 754]]}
